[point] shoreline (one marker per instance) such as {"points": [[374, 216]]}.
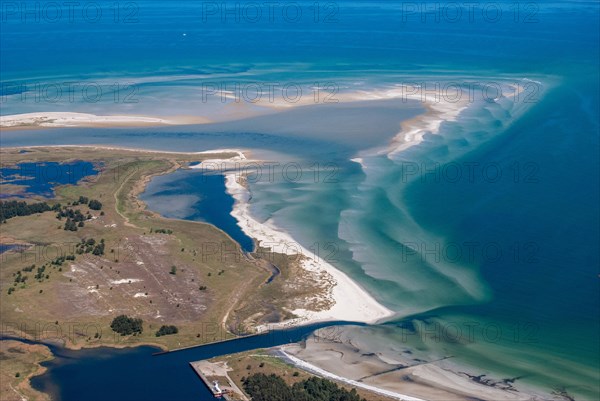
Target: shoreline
{"points": [[126, 149], [439, 111], [40, 369], [356, 304], [324, 373], [67, 119], [362, 308], [76, 347], [44, 120], [355, 360], [350, 301], [428, 380]]}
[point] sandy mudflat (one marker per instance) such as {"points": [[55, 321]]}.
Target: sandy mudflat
{"points": [[392, 372], [66, 119]]}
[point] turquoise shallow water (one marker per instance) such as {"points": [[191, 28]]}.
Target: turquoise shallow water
{"points": [[513, 256]]}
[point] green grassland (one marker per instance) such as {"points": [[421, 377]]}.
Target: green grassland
{"points": [[18, 363], [217, 292]]}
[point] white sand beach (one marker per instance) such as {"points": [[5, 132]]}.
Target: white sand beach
{"points": [[324, 373], [350, 301], [67, 119]]}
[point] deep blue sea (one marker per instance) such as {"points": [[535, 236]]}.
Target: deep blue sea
{"points": [[484, 237]]}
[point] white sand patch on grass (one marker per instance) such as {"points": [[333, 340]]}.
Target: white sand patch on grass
{"points": [[125, 281]]}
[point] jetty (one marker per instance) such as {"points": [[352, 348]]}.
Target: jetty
{"points": [[227, 340]]}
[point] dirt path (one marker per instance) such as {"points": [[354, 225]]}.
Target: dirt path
{"points": [[137, 188], [234, 301]]}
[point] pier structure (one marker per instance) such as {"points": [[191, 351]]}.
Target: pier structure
{"points": [[215, 378]]}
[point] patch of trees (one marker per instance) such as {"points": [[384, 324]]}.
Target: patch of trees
{"points": [[166, 330], [40, 273], [92, 203], [20, 278], [261, 387], [90, 246], [28, 268], [161, 231], [75, 218], [70, 225], [95, 205], [74, 215], [11, 209], [82, 199], [58, 261], [125, 325], [99, 248]]}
